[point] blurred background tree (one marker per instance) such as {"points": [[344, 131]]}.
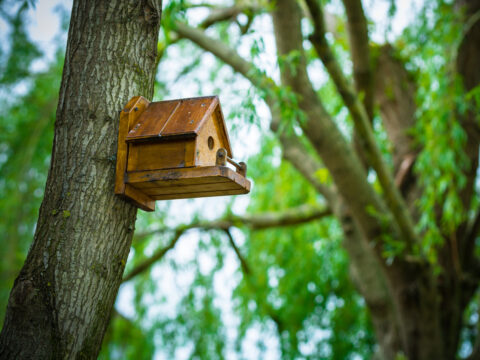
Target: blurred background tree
{"points": [[360, 236]]}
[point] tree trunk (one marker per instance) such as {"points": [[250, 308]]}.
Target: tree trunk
{"points": [[60, 304]]}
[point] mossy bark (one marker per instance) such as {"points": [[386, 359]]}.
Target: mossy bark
{"points": [[60, 304]]}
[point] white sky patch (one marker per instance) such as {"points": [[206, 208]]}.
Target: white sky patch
{"points": [[44, 29]]}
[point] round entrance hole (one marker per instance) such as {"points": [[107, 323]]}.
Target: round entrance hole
{"points": [[210, 143]]}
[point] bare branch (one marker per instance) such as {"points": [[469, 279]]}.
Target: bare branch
{"points": [[248, 276], [395, 201], [229, 14], [358, 38], [158, 255], [243, 262], [294, 216], [296, 153], [226, 54]]}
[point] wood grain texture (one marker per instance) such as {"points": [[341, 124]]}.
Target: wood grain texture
{"points": [[189, 182], [163, 155], [139, 198], [199, 194], [181, 118], [128, 118], [152, 121], [190, 116], [206, 156]]}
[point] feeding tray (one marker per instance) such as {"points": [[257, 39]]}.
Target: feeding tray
{"points": [[175, 149]]}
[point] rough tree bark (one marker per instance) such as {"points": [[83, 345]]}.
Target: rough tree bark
{"points": [[60, 304]]}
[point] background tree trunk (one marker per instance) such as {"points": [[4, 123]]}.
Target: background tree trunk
{"points": [[416, 312], [61, 301]]}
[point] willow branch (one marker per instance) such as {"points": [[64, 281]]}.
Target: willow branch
{"points": [[395, 201], [226, 54], [157, 256], [296, 153], [228, 14], [293, 216], [243, 262], [249, 277]]}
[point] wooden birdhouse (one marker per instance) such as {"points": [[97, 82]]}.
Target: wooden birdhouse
{"points": [[175, 149]]}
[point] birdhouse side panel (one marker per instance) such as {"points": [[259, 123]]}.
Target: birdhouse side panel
{"points": [[161, 155], [209, 140]]}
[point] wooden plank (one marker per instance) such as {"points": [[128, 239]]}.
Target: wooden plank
{"points": [[139, 199], [208, 142], [201, 194], [190, 116], [181, 182], [153, 119], [190, 146], [193, 188], [164, 155], [136, 111], [222, 128], [126, 115], [187, 175]]}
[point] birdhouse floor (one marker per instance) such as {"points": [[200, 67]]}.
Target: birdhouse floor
{"points": [[185, 183]]}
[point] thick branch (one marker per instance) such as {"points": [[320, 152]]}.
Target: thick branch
{"points": [[468, 58], [394, 200], [395, 95], [358, 39], [296, 153], [228, 14]]}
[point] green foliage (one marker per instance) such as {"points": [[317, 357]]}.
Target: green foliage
{"points": [[22, 51], [299, 278], [296, 290], [26, 135], [471, 330], [198, 323], [125, 339], [441, 101]]}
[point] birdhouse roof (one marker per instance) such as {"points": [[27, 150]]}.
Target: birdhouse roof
{"points": [[178, 119]]}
